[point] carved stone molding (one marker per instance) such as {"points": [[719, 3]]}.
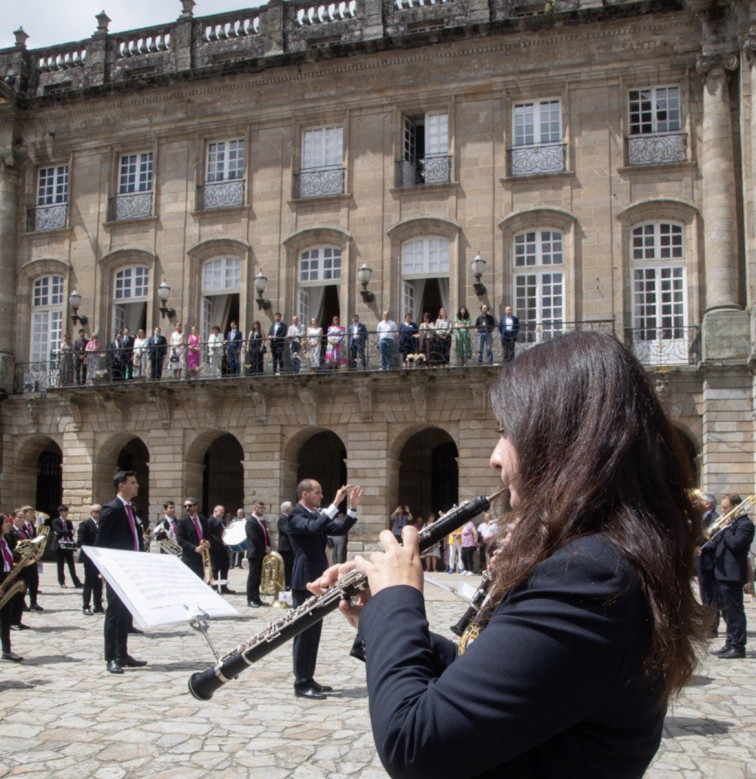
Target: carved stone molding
{"points": [[115, 407], [35, 410], [749, 44], [364, 390], [708, 65], [479, 393], [260, 406], [420, 399], [309, 399], [165, 403], [75, 409]]}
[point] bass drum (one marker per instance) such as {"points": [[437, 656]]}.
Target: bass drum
{"points": [[235, 536]]}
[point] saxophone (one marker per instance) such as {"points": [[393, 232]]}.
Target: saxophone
{"points": [[29, 551]]}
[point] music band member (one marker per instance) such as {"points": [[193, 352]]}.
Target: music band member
{"points": [[13, 606], [63, 545], [729, 548], [118, 529], [218, 550], [591, 623], [192, 537], [86, 535], [167, 526], [29, 530], [308, 528], [284, 542], [258, 545]]}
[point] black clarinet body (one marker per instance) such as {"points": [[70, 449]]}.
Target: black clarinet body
{"points": [[477, 600], [203, 684]]}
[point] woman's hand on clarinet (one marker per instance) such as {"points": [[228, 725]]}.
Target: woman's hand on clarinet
{"points": [[349, 608], [395, 564]]}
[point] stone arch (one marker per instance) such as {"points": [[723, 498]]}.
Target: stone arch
{"points": [[214, 470], [122, 451], [314, 453], [37, 476]]}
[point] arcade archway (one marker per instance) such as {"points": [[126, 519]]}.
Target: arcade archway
{"points": [[222, 475]]}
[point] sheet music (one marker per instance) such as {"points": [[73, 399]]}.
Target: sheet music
{"points": [[158, 589]]}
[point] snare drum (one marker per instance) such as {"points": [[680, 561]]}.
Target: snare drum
{"points": [[235, 536], [67, 545]]}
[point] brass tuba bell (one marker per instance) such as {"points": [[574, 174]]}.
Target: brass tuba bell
{"points": [[272, 578]]}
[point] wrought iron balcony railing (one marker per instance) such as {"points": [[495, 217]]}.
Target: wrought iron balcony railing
{"points": [[220, 194], [319, 182], [539, 158], [656, 149], [665, 345], [42, 218], [131, 205], [434, 169]]}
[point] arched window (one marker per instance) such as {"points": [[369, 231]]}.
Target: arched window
{"points": [[659, 303], [130, 294], [425, 275], [47, 317], [221, 283], [319, 274], [539, 282]]}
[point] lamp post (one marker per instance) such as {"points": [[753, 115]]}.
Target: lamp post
{"points": [[364, 273], [477, 266], [74, 300], [164, 292], [261, 281]]}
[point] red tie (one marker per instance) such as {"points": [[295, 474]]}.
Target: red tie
{"points": [[132, 525], [265, 532], [7, 556], [198, 527]]}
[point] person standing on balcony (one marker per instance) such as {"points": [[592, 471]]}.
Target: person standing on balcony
{"points": [[462, 340], [509, 326], [214, 352], [386, 330], [80, 358], [127, 354], [485, 325], [357, 341], [277, 336], [114, 351], [158, 346], [294, 334], [233, 349]]}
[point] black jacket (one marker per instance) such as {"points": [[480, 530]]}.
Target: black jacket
{"points": [[114, 531], [730, 547], [284, 542], [86, 535]]}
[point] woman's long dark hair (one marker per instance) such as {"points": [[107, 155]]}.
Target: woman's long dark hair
{"points": [[597, 454]]}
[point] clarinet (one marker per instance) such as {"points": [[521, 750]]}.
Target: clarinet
{"points": [[203, 684], [476, 602]]}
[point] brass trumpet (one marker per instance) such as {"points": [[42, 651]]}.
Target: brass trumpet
{"points": [[727, 519]]}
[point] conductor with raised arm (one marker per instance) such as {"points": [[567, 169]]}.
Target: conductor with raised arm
{"points": [[308, 528]]}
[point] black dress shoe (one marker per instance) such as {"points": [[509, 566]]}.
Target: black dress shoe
{"points": [[36, 607], [721, 650], [20, 627], [63, 585], [309, 692], [101, 610], [130, 662], [733, 653], [87, 611], [253, 604], [12, 656], [138, 632], [226, 591], [114, 667], [321, 687], [78, 585]]}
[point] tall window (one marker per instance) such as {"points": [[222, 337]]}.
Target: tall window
{"points": [[47, 317], [425, 150], [221, 283], [130, 293], [224, 175], [322, 170], [52, 198], [426, 263], [655, 123], [659, 300], [537, 136], [135, 174], [539, 282], [319, 273]]}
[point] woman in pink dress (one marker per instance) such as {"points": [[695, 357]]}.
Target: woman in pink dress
{"points": [[194, 354], [335, 355]]}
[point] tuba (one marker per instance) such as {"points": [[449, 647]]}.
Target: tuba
{"points": [[272, 578], [29, 551]]}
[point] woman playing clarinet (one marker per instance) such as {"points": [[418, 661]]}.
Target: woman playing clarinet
{"points": [[591, 625]]}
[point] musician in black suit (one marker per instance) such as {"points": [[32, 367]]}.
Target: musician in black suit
{"points": [[118, 529], [193, 535], [277, 338], [258, 545], [12, 607], [284, 542], [86, 535], [707, 584], [591, 622], [219, 558], [157, 346], [730, 547], [31, 572], [63, 545], [308, 528]]}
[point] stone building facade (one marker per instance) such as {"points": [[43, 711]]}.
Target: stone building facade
{"points": [[599, 157]]}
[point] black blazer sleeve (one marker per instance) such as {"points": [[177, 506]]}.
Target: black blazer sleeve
{"points": [[554, 679]]}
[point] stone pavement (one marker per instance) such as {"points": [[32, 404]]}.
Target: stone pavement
{"points": [[64, 716]]}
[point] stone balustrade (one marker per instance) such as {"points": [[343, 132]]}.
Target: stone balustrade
{"points": [[281, 27]]}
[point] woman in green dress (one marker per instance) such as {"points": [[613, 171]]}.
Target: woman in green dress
{"points": [[462, 341]]}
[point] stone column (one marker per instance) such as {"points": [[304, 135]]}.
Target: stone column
{"points": [[9, 181]]}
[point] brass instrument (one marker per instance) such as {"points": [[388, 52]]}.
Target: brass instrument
{"points": [[272, 578], [727, 519], [29, 551], [168, 545], [207, 566]]}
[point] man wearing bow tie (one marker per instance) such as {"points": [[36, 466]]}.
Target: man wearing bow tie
{"points": [[118, 529], [308, 528]]}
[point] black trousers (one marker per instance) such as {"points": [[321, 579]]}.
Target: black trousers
{"points": [[288, 558], [92, 586], [253, 579], [66, 556], [31, 577], [117, 624], [305, 650], [468, 553], [221, 563], [733, 611]]}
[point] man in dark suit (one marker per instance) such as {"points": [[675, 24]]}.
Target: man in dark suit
{"points": [[704, 562], [284, 542], [509, 326], [157, 346], [193, 535], [80, 358], [63, 545], [114, 353], [277, 338], [127, 354], [730, 546], [308, 528], [233, 349], [118, 529], [218, 550], [258, 545], [86, 535], [357, 341]]}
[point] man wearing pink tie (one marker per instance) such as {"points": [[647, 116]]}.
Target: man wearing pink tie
{"points": [[119, 529], [193, 535]]}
